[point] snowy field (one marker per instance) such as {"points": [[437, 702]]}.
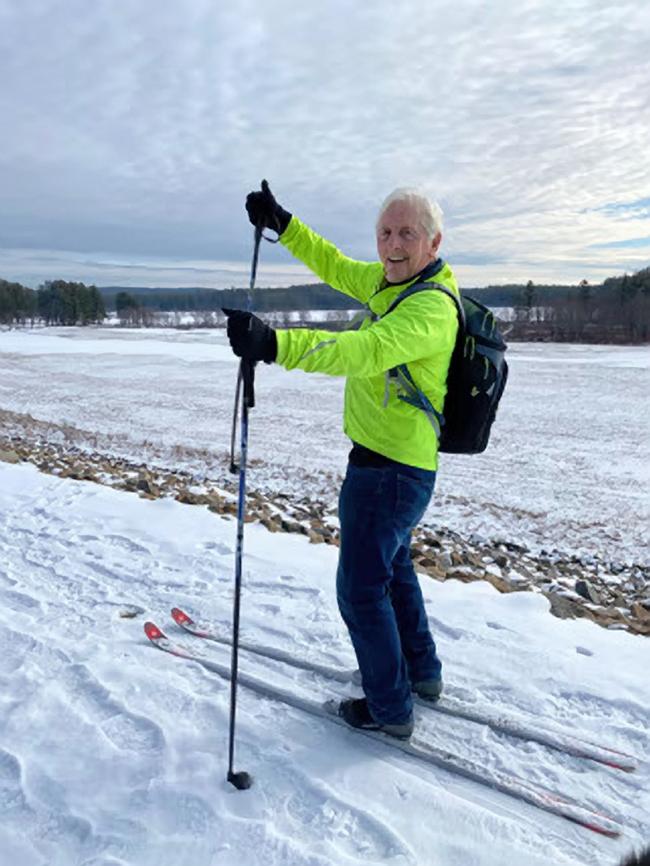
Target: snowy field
{"points": [[568, 465], [114, 754]]}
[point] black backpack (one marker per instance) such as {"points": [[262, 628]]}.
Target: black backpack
{"points": [[478, 372]]}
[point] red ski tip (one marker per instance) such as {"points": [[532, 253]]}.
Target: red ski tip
{"points": [[179, 616], [610, 832], [152, 631]]}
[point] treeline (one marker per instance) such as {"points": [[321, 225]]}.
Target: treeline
{"points": [[18, 304], [312, 296], [616, 311], [56, 302], [514, 294]]}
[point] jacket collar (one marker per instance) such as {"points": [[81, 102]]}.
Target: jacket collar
{"points": [[426, 273]]}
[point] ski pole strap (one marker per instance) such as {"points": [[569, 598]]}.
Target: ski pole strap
{"points": [[234, 467], [256, 255], [408, 391]]}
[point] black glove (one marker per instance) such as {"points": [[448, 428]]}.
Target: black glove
{"points": [[264, 211], [250, 337]]}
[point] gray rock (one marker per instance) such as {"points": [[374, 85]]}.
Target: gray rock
{"points": [[586, 590]]}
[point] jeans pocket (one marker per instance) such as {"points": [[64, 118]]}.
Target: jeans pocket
{"points": [[413, 495], [367, 481]]}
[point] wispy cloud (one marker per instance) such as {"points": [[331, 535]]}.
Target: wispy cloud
{"points": [[32, 267], [628, 210], [138, 128], [630, 243]]}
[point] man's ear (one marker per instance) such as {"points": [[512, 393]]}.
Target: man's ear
{"points": [[435, 243]]}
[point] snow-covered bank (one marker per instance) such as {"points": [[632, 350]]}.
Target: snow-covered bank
{"points": [[567, 467], [113, 754], [612, 593]]}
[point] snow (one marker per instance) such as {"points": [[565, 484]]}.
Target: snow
{"points": [[568, 465], [113, 754]]}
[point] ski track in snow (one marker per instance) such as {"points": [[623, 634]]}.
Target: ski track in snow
{"points": [[113, 754]]}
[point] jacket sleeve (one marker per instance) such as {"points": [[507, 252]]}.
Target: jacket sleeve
{"points": [[422, 325], [354, 278]]}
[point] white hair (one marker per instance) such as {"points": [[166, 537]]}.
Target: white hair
{"points": [[429, 212]]}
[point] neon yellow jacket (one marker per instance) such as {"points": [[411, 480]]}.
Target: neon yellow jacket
{"points": [[420, 332]]}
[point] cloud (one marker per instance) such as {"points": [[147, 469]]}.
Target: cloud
{"points": [[137, 129], [628, 210], [629, 243], [33, 267]]}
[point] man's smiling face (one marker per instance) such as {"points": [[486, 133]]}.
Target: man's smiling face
{"points": [[402, 242]]}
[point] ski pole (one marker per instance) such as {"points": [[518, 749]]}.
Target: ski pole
{"points": [[246, 380]]}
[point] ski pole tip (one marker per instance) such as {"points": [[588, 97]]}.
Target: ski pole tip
{"points": [[241, 780]]}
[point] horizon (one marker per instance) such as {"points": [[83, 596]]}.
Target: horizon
{"points": [[314, 282]]}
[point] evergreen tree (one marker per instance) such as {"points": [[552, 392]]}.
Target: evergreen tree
{"points": [[126, 307]]}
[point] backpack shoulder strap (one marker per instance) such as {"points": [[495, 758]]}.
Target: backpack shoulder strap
{"points": [[411, 393], [425, 286]]}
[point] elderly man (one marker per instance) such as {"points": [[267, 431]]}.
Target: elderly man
{"points": [[392, 465]]}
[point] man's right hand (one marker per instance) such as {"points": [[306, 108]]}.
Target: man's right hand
{"points": [[264, 212]]}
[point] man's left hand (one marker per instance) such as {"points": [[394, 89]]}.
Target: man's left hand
{"points": [[250, 337]]}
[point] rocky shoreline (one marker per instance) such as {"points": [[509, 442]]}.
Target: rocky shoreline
{"points": [[615, 595]]}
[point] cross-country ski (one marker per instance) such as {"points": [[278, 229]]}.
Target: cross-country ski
{"points": [[422, 751], [521, 729]]}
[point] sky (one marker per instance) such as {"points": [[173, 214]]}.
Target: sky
{"points": [[132, 132]]}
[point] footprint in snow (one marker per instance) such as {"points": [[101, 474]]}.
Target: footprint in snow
{"points": [[583, 651], [274, 587], [58, 833], [312, 824], [126, 544], [217, 547], [440, 629], [128, 611], [620, 712], [124, 729], [350, 832], [272, 609], [47, 513], [263, 845], [19, 602], [102, 570], [174, 813], [15, 648], [6, 580], [10, 771], [497, 626]]}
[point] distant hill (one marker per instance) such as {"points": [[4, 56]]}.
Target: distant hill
{"points": [[312, 296]]}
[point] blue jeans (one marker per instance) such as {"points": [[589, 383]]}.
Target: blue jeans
{"points": [[377, 589]]}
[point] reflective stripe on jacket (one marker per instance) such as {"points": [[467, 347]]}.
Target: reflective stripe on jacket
{"points": [[420, 332]]}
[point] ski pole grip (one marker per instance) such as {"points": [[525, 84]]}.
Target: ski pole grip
{"points": [[248, 379]]}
